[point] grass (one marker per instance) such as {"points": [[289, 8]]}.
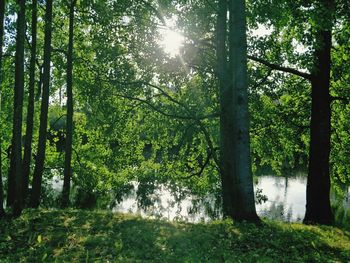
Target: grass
{"points": [[92, 236]]}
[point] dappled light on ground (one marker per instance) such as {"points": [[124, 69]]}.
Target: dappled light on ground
{"points": [[90, 236]]}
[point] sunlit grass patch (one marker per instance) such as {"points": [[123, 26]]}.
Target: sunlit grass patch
{"points": [[97, 236]]}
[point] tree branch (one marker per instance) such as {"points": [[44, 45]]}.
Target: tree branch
{"points": [[201, 170], [263, 80], [281, 68], [78, 158], [155, 108], [60, 117], [189, 116]]}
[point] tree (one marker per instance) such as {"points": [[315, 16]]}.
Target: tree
{"points": [[69, 125], [321, 13], [243, 192], [40, 158], [18, 107], [30, 109], [226, 111], [318, 206], [235, 163], [2, 16]]}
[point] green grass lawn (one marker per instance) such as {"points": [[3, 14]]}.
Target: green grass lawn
{"points": [[90, 236]]}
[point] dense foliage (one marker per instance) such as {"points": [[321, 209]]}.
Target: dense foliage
{"points": [[143, 114]]}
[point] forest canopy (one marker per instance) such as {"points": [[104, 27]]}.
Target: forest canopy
{"points": [[200, 96]]}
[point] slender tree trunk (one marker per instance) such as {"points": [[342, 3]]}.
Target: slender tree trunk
{"points": [[40, 158], [40, 83], [2, 16], [242, 188], [30, 109], [18, 108], [69, 127], [318, 207], [10, 178]]}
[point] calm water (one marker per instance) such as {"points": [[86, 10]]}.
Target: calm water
{"points": [[286, 201], [286, 197], [165, 206]]}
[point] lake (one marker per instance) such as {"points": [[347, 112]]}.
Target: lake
{"points": [[286, 200]]}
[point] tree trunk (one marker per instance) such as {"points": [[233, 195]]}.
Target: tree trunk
{"points": [[40, 83], [227, 140], [18, 108], [318, 207], [2, 16], [40, 158], [226, 125], [242, 188], [10, 178], [69, 127], [30, 109], [236, 175]]}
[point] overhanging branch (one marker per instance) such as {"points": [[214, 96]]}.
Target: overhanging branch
{"points": [[281, 68], [201, 170]]}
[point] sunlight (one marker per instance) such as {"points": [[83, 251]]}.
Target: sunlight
{"points": [[171, 42]]}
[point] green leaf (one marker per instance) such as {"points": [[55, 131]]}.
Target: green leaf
{"points": [[118, 245], [345, 56]]}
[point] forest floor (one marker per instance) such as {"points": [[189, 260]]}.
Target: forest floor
{"points": [[94, 236]]}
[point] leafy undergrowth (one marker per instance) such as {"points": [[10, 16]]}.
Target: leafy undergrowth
{"points": [[90, 236]]}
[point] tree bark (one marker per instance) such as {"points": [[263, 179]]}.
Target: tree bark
{"points": [[18, 108], [318, 207], [242, 191], [2, 16], [30, 109], [69, 124], [40, 158], [10, 178], [226, 120], [235, 164]]}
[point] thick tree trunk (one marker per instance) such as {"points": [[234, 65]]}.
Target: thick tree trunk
{"points": [[318, 207], [69, 127], [236, 175], [18, 108], [30, 109], [226, 120], [242, 191], [2, 16], [40, 158]]}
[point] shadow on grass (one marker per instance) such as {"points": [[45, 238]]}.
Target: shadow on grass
{"points": [[90, 236]]}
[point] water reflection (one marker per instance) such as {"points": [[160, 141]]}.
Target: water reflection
{"points": [[164, 204], [285, 201], [286, 198]]}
